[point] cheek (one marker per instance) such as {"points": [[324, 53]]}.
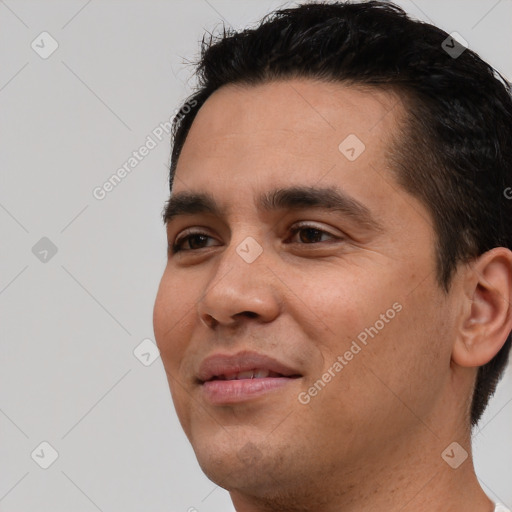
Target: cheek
{"points": [[409, 361], [390, 318], [342, 304], [172, 311]]}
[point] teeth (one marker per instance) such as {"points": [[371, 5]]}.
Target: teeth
{"points": [[250, 374], [245, 375], [261, 374]]}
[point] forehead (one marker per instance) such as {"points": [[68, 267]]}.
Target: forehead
{"points": [[288, 132], [280, 103]]}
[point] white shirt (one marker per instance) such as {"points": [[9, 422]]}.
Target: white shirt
{"points": [[501, 508]]}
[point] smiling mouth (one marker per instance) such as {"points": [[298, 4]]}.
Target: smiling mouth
{"points": [[228, 379], [252, 374], [230, 389]]}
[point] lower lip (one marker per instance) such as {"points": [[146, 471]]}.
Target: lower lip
{"points": [[222, 392]]}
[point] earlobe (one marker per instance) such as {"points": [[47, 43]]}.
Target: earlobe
{"points": [[488, 321]]}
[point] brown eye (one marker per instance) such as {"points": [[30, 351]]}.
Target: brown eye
{"points": [[194, 240], [310, 234]]}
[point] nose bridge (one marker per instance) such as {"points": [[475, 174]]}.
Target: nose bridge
{"points": [[239, 284], [244, 254]]}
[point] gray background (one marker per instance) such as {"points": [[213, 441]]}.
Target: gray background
{"points": [[69, 324]]}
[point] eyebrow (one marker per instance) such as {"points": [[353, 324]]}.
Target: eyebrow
{"points": [[291, 198]]}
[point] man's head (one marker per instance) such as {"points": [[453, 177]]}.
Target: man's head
{"points": [[351, 124]]}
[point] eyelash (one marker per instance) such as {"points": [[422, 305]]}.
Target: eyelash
{"points": [[175, 247]]}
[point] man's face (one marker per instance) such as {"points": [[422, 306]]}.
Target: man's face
{"points": [[354, 286]]}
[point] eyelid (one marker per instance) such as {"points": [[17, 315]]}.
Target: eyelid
{"points": [[293, 229], [309, 224], [190, 231], [297, 225]]}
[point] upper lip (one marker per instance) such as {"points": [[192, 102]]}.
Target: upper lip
{"points": [[222, 364]]}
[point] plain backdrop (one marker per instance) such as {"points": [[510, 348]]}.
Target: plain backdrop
{"points": [[78, 275]]}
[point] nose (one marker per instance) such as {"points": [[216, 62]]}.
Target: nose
{"points": [[239, 290]]}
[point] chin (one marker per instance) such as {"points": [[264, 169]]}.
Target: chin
{"points": [[238, 464]]}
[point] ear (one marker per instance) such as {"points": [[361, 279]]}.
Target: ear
{"points": [[487, 323]]}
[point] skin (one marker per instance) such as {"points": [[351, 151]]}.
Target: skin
{"points": [[373, 437]]}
